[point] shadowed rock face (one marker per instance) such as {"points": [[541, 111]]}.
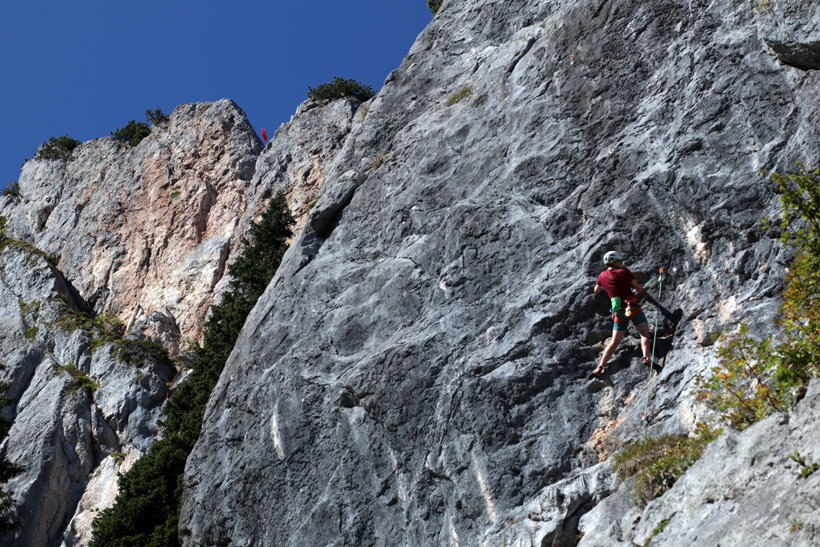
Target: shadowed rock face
{"points": [[416, 373]]}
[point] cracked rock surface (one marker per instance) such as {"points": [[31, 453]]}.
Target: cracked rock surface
{"points": [[416, 373]]}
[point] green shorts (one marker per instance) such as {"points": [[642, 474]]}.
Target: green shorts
{"points": [[622, 322]]}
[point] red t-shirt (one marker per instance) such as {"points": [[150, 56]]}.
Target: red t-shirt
{"points": [[616, 282]]}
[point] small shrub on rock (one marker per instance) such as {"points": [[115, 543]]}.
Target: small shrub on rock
{"points": [[434, 6], [12, 189], [460, 95], [80, 381], [57, 148], [756, 378], [133, 133], [156, 116], [657, 463], [340, 88]]}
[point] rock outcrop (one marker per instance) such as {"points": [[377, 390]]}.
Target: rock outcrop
{"points": [[416, 372], [145, 229], [745, 490], [145, 232], [73, 408]]}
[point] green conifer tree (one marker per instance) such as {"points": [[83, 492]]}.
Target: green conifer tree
{"points": [[146, 510]]}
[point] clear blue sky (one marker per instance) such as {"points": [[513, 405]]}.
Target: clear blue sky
{"points": [[88, 67]]}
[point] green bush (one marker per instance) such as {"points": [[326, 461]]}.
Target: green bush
{"points": [[135, 352], [133, 133], [657, 463], [340, 88], [57, 148], [758, 377], [79, 380], [434, 6], [146, 510], [13, 189], [156, 116]]}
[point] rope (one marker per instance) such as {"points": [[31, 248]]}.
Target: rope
{"points": [[645, 416]]}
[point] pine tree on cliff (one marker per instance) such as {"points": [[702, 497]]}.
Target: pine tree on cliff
{"points": [[7, 470], [146, 511]]}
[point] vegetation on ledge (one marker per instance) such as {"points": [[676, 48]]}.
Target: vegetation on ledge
{"points": [[756, 378], [340, 88]]}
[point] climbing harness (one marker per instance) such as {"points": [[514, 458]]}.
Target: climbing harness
{"points": [[644, 415], [633, 306]]}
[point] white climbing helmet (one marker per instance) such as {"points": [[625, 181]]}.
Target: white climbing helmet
{"points": [[611, 257]]}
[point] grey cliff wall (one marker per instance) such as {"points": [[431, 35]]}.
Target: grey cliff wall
{"points": [[146, 232], [61, 432], [416, 373]]}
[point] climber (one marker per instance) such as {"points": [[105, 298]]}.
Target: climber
{"points": [[618, 282]]}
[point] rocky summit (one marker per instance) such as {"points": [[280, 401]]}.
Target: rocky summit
{"points": [[417, 371]]}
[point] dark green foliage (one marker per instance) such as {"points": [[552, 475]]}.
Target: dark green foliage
{"points": [[104, 328], [7, 470], [57, 148], [132, 133], [135, 352], [13, 189], [79, 380], [156, 116], [146, 511], [340, 88], [434, 5], [3, 221]]}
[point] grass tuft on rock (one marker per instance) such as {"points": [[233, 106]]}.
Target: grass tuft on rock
{"points": [[657, 463]]}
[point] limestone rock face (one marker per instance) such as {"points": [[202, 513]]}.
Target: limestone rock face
{"points": [[792, 29], [745, 490], [148, 229], [145, 232], [417, 371], [72, 408], [301, 151]]}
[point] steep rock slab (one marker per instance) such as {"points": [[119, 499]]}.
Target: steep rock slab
{"points": [[416, 372], [745, 490], [295, 161], [146, 229], [71, 408]]}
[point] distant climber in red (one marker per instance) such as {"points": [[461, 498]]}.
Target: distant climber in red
{"points": [[264, 135], [618, 282]]}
